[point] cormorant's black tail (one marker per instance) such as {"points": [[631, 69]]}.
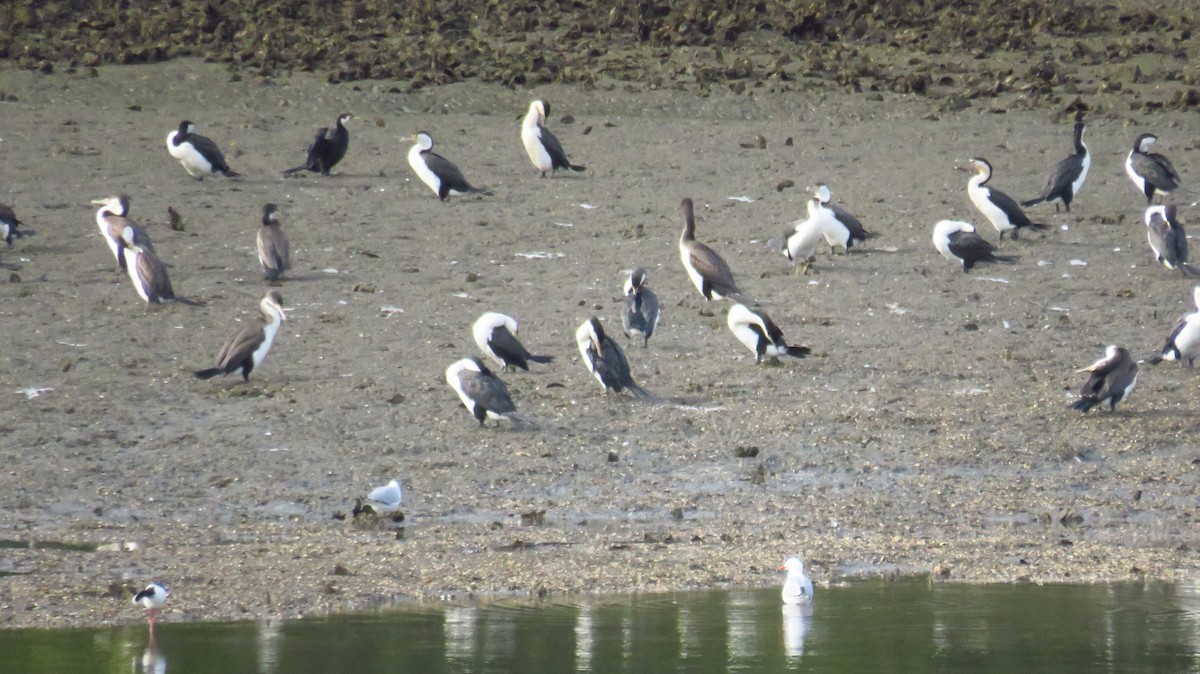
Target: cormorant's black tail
{"points": [[230, 173], [576, 167], [209, 373], [1085, 403], [297, 169], [644, 395], [1156, 360], [1003, 258], [1036, 200], [1040, 226], [184, 300], [539, 359], [798, 351], [1188, 269]]}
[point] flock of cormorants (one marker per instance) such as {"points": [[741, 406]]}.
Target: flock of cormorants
{"points": [[1111, 378]]}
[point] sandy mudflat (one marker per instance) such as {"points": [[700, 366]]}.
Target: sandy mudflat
{"points": [[929, 427]]}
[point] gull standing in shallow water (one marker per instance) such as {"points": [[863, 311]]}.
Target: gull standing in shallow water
{"points": [[1067, 178], [437, 172], [152, 599], [483, 393], [606, 361], [248, 346], [1112, 379], [958, 242], [496, 336], [707, 270], [543, 148], [758, 332], [1150, 172], [199, 156], [797, 588], [1000, 209], [1183, 344]]}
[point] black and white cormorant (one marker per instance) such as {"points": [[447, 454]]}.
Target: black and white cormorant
{"points": [[958, 242], [118, 230], [248, 345], [640, 315], [1001, 210], [759, 333], [1068, 176], [543, 148], [1183, 344], [483, 393], [274, 249], [841, 229], [8, 225], [1112, 379], [199, 155], [327, 148], [437, 172], [708, 271], [1150, 172], [606, 361], [496, 336], [149, 276], [1167, 239]]}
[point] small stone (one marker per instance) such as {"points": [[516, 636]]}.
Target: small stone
{"points": [[471, 277], [613, 458]]}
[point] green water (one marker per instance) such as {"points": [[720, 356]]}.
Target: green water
{"points": [[867, 627]]}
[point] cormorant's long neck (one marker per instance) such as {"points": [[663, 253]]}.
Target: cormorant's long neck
{"points": [[1080, 148]]}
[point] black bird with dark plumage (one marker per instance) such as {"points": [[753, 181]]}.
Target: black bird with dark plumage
{"points": [[1067, 178], [1150, 172], [327, 148]]}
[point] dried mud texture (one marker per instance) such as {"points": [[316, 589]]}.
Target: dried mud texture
{"points": [[929, 430]]}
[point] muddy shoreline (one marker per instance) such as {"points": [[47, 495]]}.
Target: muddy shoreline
{"points": [[929, 429]]}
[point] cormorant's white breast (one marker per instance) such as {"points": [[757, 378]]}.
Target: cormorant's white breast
{"points": [[199, 156], [543, 148]]}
